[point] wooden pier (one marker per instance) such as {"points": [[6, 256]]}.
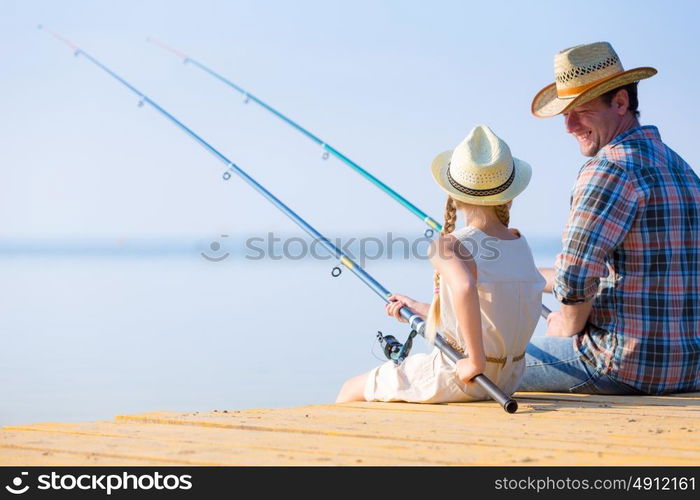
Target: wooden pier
{"points": [[549, 429]]}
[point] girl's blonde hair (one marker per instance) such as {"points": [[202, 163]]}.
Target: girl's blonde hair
{"points": [[433, 320]]}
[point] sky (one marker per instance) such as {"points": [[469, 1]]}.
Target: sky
{"points": [[389, 83]]}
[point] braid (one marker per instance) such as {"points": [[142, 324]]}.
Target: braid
{"points": [[434, 313], [447, 228], [503, 214], [450, 216]]}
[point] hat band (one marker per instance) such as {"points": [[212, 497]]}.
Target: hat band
{"points": [[574, 91], [481, 192]]}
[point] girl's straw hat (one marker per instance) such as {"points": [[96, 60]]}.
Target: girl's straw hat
{"points": [[582, 73], [481, 170]]}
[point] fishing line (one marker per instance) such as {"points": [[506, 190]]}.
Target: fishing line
{"points": [[417, 324]]}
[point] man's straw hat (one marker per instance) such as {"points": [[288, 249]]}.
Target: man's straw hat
{"points": [[582, 73], [481, 170]]}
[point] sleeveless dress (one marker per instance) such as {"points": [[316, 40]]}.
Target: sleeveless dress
{"points": [[510, 297]]}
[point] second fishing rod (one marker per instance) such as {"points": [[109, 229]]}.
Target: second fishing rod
{"points": [[417, 324], [432, 224]]}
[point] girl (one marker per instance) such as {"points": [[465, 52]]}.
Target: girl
{"points": [[488, 292]]}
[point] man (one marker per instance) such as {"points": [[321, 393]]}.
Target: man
{"points": [[628, 277]]}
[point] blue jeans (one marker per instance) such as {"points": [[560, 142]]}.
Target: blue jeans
{"points": [[552, 364]]}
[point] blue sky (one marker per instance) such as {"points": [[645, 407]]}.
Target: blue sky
{"points": [[391, 84]]}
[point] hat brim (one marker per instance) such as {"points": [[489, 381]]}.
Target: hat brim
{"points": [[547, 103], [523, 173]]}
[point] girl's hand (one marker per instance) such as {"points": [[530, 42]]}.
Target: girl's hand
{"points": [[393, 308], [397, 301], [468, 368]]}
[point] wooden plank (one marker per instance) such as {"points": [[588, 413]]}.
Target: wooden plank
{"points": [[549, 429], [552, 407], [215, 445], [496, 430], [466, 412], [687, 395], [682, 400], [13, 456], [676, 435], [669, 442]]}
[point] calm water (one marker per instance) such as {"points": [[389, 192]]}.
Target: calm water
{"points": [[86, 337]]}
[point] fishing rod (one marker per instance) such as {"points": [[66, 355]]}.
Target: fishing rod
{"points": [[432, 224], [509, 404]]}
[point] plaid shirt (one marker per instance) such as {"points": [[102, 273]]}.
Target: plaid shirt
{"points": [[632, 242]]}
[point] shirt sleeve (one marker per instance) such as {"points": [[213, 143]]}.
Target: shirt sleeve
{"points": [[603, 208]]}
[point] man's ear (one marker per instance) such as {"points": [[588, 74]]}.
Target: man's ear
{"points": [[621, 102]]}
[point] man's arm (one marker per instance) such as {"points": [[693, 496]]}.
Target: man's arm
{"points": [[603, 208], [568, 321]]}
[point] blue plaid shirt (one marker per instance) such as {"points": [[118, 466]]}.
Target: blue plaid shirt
{"points": [[632, 243]]}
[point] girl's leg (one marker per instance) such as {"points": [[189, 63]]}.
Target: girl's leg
{"points": [[353, 389]]}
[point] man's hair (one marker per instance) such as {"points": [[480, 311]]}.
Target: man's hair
{"points": [[631, 89]]}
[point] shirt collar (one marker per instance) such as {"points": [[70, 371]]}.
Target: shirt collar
{"points": [[647, 132]]}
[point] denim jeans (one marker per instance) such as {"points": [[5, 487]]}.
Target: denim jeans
{"points": [[552, 364]]}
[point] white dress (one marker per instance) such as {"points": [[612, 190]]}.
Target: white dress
{"points": [[510, 297]]}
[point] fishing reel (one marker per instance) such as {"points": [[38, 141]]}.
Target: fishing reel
{"points": [[393, 349]]}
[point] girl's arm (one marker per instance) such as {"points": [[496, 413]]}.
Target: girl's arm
{"points": [[548, 275], [458, 271]]}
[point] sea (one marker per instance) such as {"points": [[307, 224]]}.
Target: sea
{"points": [[95, 328]]}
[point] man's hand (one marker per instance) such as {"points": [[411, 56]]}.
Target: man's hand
{"points": [[557, 327], [569, 321]]}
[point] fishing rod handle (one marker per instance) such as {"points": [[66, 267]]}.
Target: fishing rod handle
{"points": [[509, 404]]}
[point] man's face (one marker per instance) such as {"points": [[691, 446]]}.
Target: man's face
{"points": [[593, 124]]}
